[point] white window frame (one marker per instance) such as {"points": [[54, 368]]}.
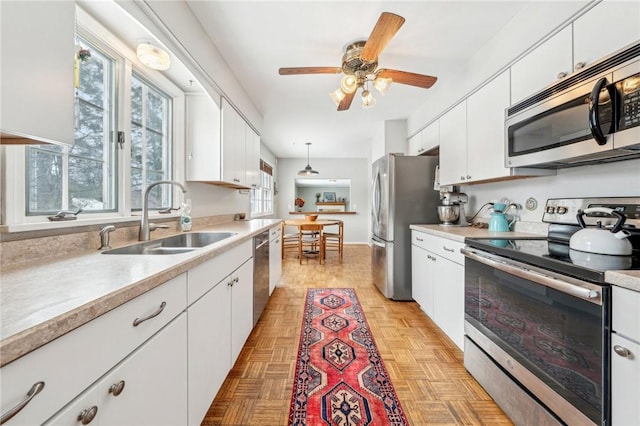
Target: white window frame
{"points": [[14, 157], [261, 189]]}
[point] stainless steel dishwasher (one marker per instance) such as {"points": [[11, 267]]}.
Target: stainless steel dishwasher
{"points": [[260, 274]]}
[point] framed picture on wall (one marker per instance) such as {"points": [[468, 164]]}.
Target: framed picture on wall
{"points": [[329, 197]]}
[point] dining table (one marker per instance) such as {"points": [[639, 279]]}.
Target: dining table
{"points": [[318, 222]]}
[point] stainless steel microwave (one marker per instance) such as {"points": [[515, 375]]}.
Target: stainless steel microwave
{"points": [[589, 117]]}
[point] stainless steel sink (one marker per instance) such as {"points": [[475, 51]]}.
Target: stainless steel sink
{"points": [[181, 243]]}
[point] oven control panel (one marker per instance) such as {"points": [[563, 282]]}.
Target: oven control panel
{"points": [[565, 210]]}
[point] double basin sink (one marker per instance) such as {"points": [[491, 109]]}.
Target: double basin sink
{"points": [[181, 243]]}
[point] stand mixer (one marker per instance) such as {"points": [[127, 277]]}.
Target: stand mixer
{"points": [[451, 212]]}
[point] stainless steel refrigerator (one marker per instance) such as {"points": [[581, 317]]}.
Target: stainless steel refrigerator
{"points": [[402, 195]]}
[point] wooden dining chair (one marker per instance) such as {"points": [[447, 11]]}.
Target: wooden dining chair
{"points": [[289, 234], [334, 241], [310, 241]]}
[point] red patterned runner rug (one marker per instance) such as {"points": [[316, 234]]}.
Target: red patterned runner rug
{"points": [[340, 378]]}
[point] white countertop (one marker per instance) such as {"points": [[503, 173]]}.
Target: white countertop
{"points": [[43, 300], [626, 279]]}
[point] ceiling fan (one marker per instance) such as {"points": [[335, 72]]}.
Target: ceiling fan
{"points": [[360, 66]]}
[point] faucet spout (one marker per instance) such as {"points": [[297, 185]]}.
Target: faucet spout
{"points": [[145, 232]]}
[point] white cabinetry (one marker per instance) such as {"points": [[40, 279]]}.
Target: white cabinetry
{"points": [[275, 257], [220, 319], [233, 146], [453, 146], [252, 146], [37, 71], [426, 140], [625, 357], [578, 45], [203, 139], [438, 282], [73, 362], [146, 388]]}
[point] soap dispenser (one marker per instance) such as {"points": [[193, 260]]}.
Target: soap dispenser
{"points": [[185, 217]]}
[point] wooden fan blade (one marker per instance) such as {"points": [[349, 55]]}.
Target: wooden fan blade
{"points": [[387, 26], [309, 70], [410, 78], [345, 103]]}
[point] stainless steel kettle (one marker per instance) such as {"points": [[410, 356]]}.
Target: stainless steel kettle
{"points": [[601, 240]]}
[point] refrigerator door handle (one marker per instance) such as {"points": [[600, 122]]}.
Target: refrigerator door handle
{"points": [[376, 197], [378, 243]]}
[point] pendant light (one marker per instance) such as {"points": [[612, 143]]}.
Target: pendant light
{"points": [[308, 171]]}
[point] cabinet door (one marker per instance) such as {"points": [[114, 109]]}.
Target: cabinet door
{"points": [[252, 164], [422, 275], [541, 66], [203, 139], [590, 44], [485, 130], [625, 393], [275, 262], [449, 299], [208, 348], [431, 136], [453, 145], [155, 382], [241, 307], [37, 70], [415, 144], [233, 128]]}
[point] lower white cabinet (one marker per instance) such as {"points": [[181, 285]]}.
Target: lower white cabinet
{"points": [[437, 268], [146, 388], [625, 357], [275, 257], [220, 320]]}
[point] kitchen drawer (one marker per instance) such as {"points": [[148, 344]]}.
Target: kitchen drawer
{"points": [[204, 277], [275, 232], [626, 313], [444, 247], [72, 362]]}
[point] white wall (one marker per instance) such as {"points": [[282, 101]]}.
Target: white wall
{"points": [[356, 227], [603, 180]]}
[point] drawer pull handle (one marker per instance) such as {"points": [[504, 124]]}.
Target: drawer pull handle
{"points": [[622, 351], [139, 321], [448, 249], [88, 415], [117, 388], [419, 239], [35, 389]]}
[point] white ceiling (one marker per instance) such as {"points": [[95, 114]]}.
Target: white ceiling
{"points": [[258, 37]]}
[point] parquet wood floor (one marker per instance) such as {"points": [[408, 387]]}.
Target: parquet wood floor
{"points": [[425, 366]]}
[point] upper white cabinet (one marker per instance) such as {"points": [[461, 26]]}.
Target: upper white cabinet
{"points": [[453, 146], [426, 140], [590, 43], [576, 46], [545, 64], [485, 130], [222, 148], [203, 139], [37, 77]]}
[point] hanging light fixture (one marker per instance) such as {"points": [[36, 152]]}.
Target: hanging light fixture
{"points": [[308, 171], [153, 56], [351, 82]]}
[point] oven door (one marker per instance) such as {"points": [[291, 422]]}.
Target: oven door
{"points": [[549, 332]]}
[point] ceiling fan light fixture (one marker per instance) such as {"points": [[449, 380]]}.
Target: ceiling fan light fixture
{"points": [[308, 170], [382, 84], [337, 96], [349, 83], [367, 99], [153, 56]]}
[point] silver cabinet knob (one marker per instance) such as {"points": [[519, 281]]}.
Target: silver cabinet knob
{"points": [[117, 388], [579, 65], [88, 415], [622, 351], [562, 74], [461, 177]]}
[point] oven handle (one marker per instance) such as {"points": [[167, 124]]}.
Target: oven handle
{"points": [[587, 294]]}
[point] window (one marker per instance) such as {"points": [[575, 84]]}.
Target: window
{"points": [[82, 176], [262, 197], [150, 143], [97, 171]]}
